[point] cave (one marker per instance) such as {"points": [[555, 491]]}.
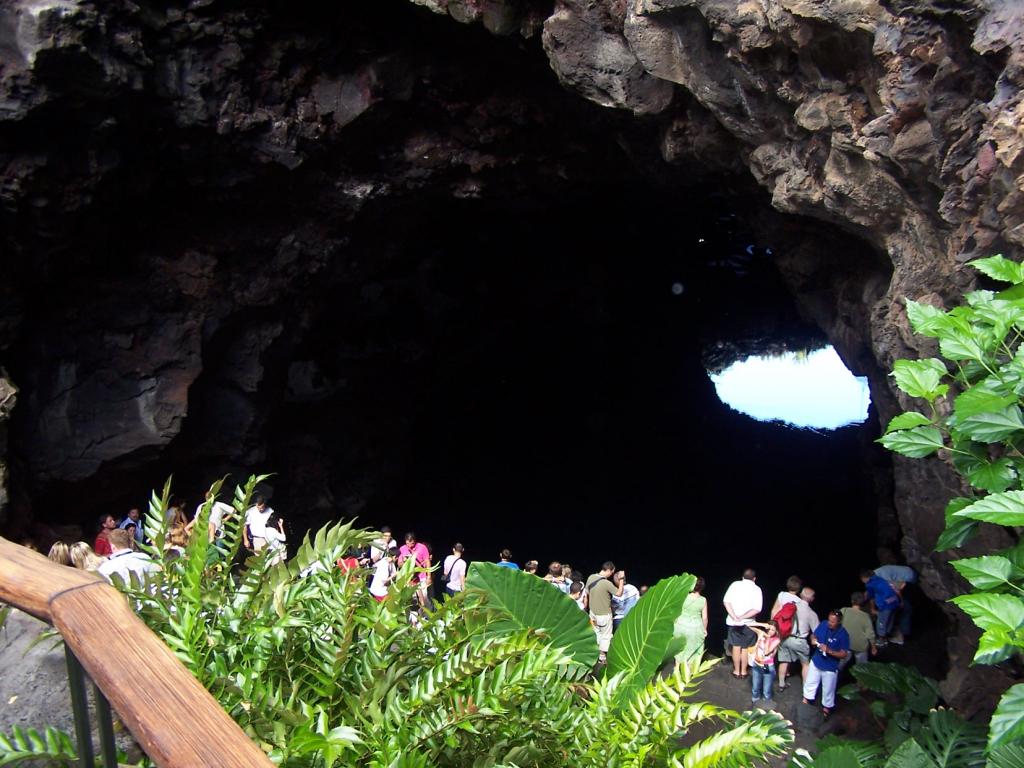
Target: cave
{"points": [[465, 268]]}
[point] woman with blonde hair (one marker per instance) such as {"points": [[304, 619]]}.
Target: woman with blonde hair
{"points": [[59, 553], [83, 557], [178, 530]]}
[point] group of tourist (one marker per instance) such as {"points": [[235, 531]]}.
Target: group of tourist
{"points": [[794, 633], [761, 650]]}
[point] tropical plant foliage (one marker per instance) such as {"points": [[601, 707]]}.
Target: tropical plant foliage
{"points": [[320, 674], [972, 399]]}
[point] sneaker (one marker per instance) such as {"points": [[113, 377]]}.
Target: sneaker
{"points": [[896, 639], [881, 642]]}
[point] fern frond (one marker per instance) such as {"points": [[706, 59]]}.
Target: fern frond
{"points": [[29, 744], [751, 737]]}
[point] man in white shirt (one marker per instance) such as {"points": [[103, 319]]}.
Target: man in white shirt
{"points": [[742, 601], [124, 562], [454, 572], [219, 512], [254, 535]]}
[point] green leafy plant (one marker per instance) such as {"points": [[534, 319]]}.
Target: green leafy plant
{"points": [[900, 697], [28, 744], [973, 415], [320, 674]]}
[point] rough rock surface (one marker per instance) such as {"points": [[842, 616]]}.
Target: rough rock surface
{"points": [[182, 188], [898, 122]]}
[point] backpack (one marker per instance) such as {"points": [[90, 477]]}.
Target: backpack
{"points": [[784, 618]]}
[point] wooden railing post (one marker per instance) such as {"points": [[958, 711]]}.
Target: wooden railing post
{"points": [[175, 720]]}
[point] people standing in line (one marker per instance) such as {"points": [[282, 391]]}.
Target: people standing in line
{"points": [[421, 556], [858, 625], [743, 601], [831, 644], [623, 602], [899, 578], [123, 561], [454, 571], [797, 646], [600, 591], [886, 602], [254, 532], [692, 624], [133, 520], [102, 546], [83, 558], [384, 572], [762, 661], [505, 560]]}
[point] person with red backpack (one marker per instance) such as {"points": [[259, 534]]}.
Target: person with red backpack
{"points": [[799, 622]]}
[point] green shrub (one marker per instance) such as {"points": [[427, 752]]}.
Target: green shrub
{"points": [[972, 397]]}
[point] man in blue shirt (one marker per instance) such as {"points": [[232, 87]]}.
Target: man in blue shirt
{"points": [[831, 644], [886, 601], [506, 560], [899, 576]]}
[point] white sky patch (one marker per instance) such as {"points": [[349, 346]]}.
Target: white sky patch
{"points": [[813, 391]]}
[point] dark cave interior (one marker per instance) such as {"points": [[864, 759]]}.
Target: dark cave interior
{"points": [[500, 361]]}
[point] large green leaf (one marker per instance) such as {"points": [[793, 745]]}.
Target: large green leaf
{"points": [[1007, 724], [994, 476], [992, 426], [1005, 508], [991, 611], [986, 572], [920, 378], [838, 756], [926, 319], [958, 529], [981, 399], [995, 646], [907, 420], [956, 344], [952, 742], [915, 443], [1009, 755], [1000, 268], [642, 640], [528, 602], [909, 754]]}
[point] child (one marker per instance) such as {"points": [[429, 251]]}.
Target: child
{"points": [[383, 574], [762, 660], [578, 595]]}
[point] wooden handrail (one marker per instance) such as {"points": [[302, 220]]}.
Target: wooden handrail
{"points": [[177, 722]]}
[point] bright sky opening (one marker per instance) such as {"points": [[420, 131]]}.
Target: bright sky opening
{"points": [[815, 390]]}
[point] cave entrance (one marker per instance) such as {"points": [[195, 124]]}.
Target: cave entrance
{"points": [[803, 388], [517, 374]]}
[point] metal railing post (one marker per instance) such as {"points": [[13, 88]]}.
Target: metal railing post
{"points": [[108, 748], [79, 708]]}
